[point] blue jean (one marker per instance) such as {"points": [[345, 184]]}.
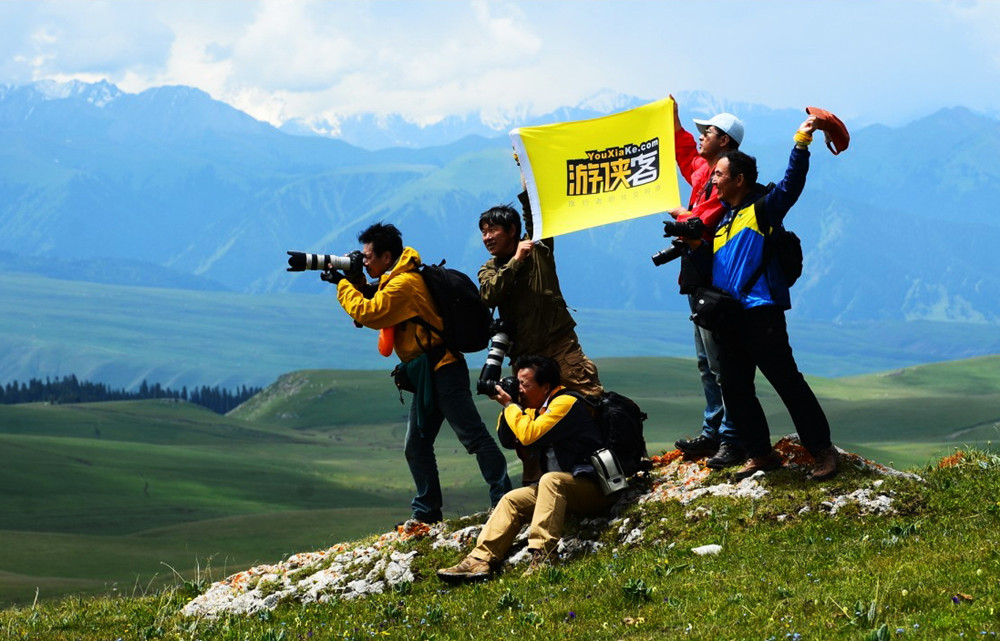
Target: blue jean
{"points": [[452, 401], [716, 424]]}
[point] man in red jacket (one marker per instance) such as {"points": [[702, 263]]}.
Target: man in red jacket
{"points": [[722, 133]]}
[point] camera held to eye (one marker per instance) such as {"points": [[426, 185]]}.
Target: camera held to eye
{"points": [[350, 264], [512, 388]]}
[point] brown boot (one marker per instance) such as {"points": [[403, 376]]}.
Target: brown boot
{"points": [[470, 569], [826, 464], [770, 461], [539, 560]]}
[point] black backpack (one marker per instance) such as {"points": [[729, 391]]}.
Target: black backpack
{"points": [[620, 420], [466, 317], [786, 248]]}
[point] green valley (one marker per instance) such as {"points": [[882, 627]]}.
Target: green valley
{"points": [[116, 497]]}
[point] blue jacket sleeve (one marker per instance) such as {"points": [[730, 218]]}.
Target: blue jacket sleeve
{"points": [[779, 200]]}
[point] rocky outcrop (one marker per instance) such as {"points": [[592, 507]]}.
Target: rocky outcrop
{"points": [[354, 570]]}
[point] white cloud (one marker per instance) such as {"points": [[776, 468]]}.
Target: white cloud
{"points": [[48, 39], [276, 59]]}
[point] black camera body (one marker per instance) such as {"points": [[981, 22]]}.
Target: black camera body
{"points": [[510, 385], [490, 375], [691, 229]]}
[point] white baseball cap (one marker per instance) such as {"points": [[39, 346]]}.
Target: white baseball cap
{"points": [[726, 123]]}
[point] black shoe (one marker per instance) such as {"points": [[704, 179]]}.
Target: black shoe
{"points": [[728, 455], [429, 519], [697, 447]]}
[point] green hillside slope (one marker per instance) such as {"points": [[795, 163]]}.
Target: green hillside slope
{"points": [[121, 335], [864, 556], [97, 495]]}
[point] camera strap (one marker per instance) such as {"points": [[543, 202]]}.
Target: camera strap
{"points": [[435, 353]]}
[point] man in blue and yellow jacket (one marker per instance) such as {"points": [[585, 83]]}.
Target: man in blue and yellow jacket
{"points": [[562, 430], [756, 336], [440, 376]]}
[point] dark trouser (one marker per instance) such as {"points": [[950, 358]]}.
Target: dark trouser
{"points": [[759, 339], [452, 401]]}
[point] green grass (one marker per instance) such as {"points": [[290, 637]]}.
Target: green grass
{"points": [[111, 495], [929, 572], [105, 494]]}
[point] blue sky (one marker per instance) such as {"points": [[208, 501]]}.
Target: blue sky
{"points": [[867, 60]]}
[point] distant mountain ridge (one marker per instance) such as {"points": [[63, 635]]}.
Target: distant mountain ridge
{"points": [[207, 197], [373, 131]]}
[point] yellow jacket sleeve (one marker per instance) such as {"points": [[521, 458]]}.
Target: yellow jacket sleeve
{"points": [[401, 296], [391, 304], [529, 427]]}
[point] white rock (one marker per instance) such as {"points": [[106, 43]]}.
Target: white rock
{"points": [[633, 537], [707, 549]]}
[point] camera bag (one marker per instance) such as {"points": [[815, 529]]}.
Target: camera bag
{"points": [[609, 472], [713, 308], [402, 379], [624, 451]]}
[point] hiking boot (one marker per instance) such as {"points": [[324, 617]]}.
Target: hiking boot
{"points": [[826, 464], [729, 454], [429, 519], [770, 461], [470, 569], [698, 447], [539, 560]]}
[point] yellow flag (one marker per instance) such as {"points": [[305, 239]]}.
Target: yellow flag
{"points": [[593, 172]]}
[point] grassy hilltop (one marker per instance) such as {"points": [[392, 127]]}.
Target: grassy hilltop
{"points": [[788, 568], [117, 497]]}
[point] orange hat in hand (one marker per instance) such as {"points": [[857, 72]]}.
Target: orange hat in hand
{"points": [[837, 136]]}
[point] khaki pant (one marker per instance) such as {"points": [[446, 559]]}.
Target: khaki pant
{"points": [[545, 506], [578, 373]]}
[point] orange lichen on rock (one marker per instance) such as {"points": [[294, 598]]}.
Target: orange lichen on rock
{"points": [[792, 452], [952, 460], [237, 580], [413, 529], [666, 458]]}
